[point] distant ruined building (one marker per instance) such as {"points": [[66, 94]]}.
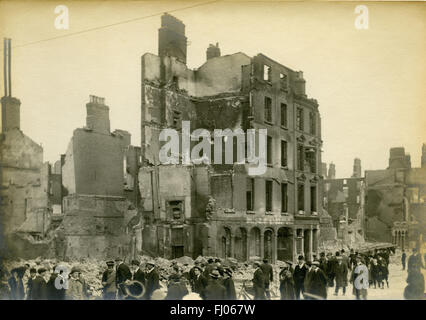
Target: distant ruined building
{"points": [[396, 201], [344, 200]]}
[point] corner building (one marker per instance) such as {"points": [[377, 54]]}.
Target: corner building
{"points": [[220, 210]]}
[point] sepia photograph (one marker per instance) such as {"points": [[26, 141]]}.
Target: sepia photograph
{"points": [[213, 150]]}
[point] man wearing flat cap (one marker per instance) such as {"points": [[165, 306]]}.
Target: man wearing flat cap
{"points": [[109, 282], [215, 290], [123, 275], [258, 282], [152, 279]]}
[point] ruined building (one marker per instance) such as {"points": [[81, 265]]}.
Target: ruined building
{"points": [[220, 210], [344, 202], [25, 181], [99, 173], [396, 201]]}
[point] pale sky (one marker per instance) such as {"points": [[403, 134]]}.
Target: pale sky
{"points": [[369, 83]]}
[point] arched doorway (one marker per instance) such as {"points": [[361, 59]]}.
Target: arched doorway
{"points": [[268, 245], [255, 242], [285, 244], [226, 243], [241, 244]]}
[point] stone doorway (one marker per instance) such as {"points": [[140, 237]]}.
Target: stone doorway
{"points": [[285, 244], [226, 243], [241, 244]]}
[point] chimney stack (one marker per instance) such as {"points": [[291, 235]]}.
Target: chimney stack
{"points": [[324, 169], [357, 168], [171, 38], [10, 107], [213, 51], [97, 118], [332, 171], [398, 159], [299, 84]]}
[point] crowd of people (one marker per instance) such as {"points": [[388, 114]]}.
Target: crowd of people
{"points": [[311, 279], [212, 280]]}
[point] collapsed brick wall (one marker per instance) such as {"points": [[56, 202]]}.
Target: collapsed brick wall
{"points": [[94, 227]]}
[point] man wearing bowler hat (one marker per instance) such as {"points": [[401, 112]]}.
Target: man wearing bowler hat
{"points": [[299, 275]]}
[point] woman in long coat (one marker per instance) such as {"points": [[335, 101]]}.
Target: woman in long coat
{"points": [[229, 285], [286, 284], [318, 282]]}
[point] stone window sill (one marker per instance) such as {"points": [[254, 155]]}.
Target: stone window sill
{"points": [[250, 212]]}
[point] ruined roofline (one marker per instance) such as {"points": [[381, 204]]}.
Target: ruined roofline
{"points": [[224, 56], [220, 96], [7, 133], [195, 69], [274, 61]]}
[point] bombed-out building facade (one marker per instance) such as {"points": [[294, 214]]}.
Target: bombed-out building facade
{"points": [[219, 209], [100, 196], [26, 181]]}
